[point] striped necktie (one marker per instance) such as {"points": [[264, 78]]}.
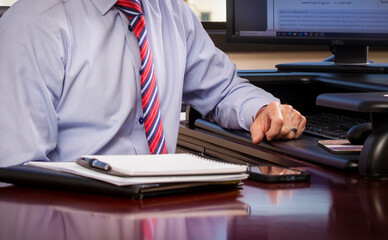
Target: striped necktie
{"points": [[149, 92]]}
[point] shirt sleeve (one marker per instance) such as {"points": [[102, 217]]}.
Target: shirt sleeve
{"points": [[31, 72], [211, 84]]}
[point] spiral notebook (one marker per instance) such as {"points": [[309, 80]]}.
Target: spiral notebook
{"points": [[146, 169], [162, 165]]}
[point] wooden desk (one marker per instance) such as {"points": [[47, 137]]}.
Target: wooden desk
{"points": [[334, 205]]}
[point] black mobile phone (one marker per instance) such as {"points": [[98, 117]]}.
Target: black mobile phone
{"points": [[277, 174]]}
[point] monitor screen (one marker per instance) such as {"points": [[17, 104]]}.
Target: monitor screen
{"points": [[348, 27]]}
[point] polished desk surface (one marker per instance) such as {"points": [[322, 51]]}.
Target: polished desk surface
{"points": [[333, 205]]}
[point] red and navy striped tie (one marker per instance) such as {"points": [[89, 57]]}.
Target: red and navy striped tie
{"points": [[149, 91]]}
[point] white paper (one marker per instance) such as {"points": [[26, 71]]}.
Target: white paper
{"points": [[73, 167], [167, 164]]}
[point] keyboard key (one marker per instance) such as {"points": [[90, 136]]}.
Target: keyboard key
{"points": [[331, 126]]}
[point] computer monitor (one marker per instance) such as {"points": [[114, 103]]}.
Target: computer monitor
{"points": [[347, 27]]}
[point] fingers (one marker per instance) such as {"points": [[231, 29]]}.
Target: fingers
{"points": [[287, 112], [267, 123], [294, 123], [257, 133], [280, 117], [277, 121], [275, 115], [299, 122]]}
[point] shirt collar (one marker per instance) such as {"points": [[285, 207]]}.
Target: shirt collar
{"points": [[103, 5]]}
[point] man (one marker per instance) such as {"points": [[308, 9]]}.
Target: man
{"points": [[70, 81]]}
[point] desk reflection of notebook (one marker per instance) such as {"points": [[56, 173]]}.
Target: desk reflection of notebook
{"points": [[73, 216], [221, 203]]}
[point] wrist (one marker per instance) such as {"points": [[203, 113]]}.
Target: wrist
{"points": [[258, 113]]}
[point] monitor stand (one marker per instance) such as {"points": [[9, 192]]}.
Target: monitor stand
{"points": [[352, 59]]}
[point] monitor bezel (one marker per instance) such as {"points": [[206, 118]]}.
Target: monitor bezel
{"points": [[328, 41]]}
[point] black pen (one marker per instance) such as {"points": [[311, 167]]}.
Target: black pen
{"points": [[95, 163]]}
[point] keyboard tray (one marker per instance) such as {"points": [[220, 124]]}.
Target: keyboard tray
{"points": [[304, 148]]}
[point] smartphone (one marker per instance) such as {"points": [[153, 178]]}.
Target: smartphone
{"points": [[277, 174]]}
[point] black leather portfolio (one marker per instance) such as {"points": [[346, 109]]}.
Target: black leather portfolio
{"points": [[41, 178]]}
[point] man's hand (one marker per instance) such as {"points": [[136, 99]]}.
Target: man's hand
{"points": [[277, 121]]}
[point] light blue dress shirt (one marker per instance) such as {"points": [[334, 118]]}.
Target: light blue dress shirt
{"points": [[69, 79]]}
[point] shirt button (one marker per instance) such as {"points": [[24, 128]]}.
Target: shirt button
{"points": [[141, 120], [130, 28]]}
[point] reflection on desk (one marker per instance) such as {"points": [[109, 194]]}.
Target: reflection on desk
{"points": [[334, 205], [42, 214]]}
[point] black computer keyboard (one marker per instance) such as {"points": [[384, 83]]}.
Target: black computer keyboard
{"points": [[331, 126]]}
